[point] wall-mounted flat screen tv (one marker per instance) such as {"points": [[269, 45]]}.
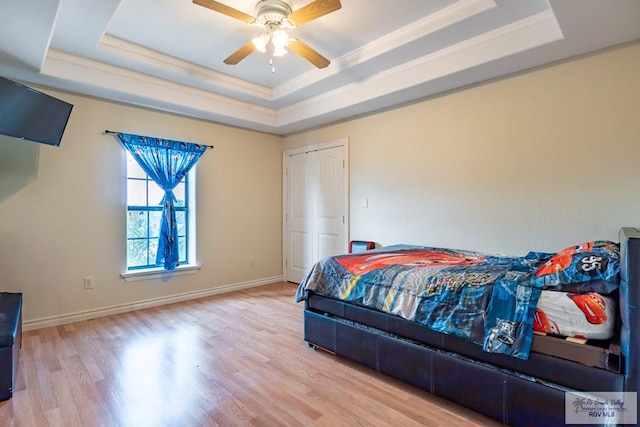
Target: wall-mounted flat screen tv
{"points": [[28, 114]]}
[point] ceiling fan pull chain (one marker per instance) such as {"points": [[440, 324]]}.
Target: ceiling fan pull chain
{"points": [[271, 54]]}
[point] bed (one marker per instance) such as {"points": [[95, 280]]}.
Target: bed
{"points": [[511, 337]]}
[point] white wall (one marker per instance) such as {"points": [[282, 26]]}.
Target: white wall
{"points": [[537, 161], [62, 217]]}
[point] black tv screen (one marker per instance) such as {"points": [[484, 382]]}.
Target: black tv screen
{"points": [[28, 114]]}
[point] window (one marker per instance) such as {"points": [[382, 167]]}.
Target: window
{"points": [[144, 214]]}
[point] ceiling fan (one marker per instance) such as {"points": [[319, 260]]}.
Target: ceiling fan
{"points": [[276, 16]]}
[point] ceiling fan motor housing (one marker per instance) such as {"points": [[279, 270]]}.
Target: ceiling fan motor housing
{"points": [[272, 12]]}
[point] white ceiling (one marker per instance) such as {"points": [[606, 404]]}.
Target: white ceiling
{"points": [[168, 54]]}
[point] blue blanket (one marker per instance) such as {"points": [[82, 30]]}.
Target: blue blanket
{"points": [[487, 299]]}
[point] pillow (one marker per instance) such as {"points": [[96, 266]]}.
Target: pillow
{"points": [[590, 315], [590, 267]]}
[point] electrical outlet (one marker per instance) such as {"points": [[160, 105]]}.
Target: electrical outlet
{"points": [[89, 282], [252, 262]]}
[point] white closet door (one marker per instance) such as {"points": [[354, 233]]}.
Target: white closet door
{"points": [[299, 219], [328, 223], [315, 211]]}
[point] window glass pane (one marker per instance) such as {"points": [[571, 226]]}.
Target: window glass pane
{"points": [[181, 222], [155, 194], [143, 223], [179, 192], [136, 224], [155, 217], [136, 192], [182, 249], [153, 251], [133, 168], [137, 252]]}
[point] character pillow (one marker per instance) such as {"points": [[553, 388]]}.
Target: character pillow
{"points": [[589, 267]]}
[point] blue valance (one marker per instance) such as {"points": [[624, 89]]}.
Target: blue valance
{"points": [[166, 162]]}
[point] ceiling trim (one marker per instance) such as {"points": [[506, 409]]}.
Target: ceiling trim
{"points": [[381, 57], [141, 89], [522, 35], [99, 79], [446, 17], [161, 61]]}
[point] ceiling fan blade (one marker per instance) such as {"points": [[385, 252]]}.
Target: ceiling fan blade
{"points": [[240, 54], [304, 50], [225, 10], [313, 10]]}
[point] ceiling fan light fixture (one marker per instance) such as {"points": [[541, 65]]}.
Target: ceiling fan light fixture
{"points": [[279, 51], [261, 42], [271, 12], [276, 16], [280, 39]]}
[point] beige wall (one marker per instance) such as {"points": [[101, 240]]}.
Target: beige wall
{"points": [[62, 210], [538, 161]]}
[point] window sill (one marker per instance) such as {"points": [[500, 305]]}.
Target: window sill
{"points": [[159, 273]]}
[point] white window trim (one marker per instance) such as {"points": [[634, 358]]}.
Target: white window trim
{"points": [[180, 270], [159, 273]]}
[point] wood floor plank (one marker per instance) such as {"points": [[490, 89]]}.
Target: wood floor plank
{"points": [[235, 359]]}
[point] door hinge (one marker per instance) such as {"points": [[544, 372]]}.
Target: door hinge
{"points": [[286, 217], [343, 219], [343, 164], [286, 263], [286, 172]]}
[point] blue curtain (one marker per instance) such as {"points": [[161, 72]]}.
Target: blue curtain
{"points": [[166, 162]]}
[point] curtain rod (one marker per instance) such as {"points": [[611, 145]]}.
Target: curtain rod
{"points": [[110, 132]]}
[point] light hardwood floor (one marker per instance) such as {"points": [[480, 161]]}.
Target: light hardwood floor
{"points": [[231, 360]]}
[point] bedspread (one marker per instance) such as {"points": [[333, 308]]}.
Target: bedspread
{"points": [[487, 299]]}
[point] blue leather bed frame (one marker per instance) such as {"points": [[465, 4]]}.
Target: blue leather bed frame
{"points": [[513, 391]]}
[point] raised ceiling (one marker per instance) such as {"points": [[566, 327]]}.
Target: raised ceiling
{"points": [[168, 54]]}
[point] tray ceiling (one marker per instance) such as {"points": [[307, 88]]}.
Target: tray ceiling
{"points": [[168, 54]]}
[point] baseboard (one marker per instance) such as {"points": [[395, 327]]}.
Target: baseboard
{"points": [[46, 322]]}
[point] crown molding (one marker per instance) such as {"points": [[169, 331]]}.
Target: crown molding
{"points": [[124, 85], [438, 20], [446, 17], [164, 62], [522, 35], [111, 82]]}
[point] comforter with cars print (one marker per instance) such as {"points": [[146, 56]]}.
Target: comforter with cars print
{"points": [[487, 299]]}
